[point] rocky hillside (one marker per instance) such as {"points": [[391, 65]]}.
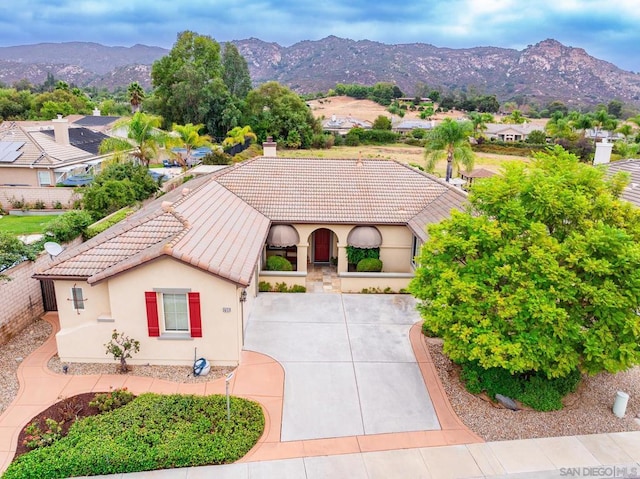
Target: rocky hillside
{"points": [[543, 72]]}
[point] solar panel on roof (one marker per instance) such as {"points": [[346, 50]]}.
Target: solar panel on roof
{"points": [[9, 151]]}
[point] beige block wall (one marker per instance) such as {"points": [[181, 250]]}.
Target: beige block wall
{"points": [[274, 277], [352, 283], [20, 299], [31, 194]]}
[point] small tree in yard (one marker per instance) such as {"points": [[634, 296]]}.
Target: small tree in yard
{"points": [[541, 276], [122, 347]]}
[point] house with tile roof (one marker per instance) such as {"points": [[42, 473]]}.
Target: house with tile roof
{"points": [[181, 274], [510, 131], [632, 167], [43, 153]]}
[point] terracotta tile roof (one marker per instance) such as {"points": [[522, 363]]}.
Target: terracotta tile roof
{"points": [[316, 190], [207, 226], [437, 210], [632, 192], [219, 223]]}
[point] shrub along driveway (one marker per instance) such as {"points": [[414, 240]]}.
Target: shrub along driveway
{"points": [[349, 366]]}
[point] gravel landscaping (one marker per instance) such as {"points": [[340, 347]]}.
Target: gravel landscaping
{"points": [[587, 411]]}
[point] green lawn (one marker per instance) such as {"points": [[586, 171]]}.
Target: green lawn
{"points": [[24, 225]]}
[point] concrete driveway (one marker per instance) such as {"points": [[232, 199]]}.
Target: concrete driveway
{"points": [[349, 366]]}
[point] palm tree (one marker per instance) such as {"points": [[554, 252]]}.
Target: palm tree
{"points": [[136, 96], [449, 139], [582, 123], [188, 136], [626, 130], [144, 132], [239, 135], [479, 121], [603, 121], [559, 126]]}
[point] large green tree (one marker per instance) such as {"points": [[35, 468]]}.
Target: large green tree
{"points": [[541, 274], [235, 72], [274, 110], [181, 77], [450, 140]]}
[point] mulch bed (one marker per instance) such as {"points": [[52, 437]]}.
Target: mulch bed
{"points": [[68, 410]]}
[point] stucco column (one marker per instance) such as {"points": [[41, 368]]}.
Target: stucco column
{"points": [[343, 266], [302, 256]]}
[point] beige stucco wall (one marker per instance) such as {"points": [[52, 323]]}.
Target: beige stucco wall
{"points": [[122, 301], [289, 278], [19, 176]]}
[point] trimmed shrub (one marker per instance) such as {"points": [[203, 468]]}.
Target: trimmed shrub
{"points": [[369, 265], [533, 389], [151, 432], [68, 226], [106, 223], [105, 402], [264, 286], [355, 255], [278, 263]]}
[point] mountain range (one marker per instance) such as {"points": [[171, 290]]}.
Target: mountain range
{"points": [[542, 72]]}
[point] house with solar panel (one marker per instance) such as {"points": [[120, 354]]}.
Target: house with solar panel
{"points": [[46, 153], [182, 273]]}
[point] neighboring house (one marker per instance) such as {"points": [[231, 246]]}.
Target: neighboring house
{"points": [[342, 125], [181, 274], [510, 131], [43, 153], [611, 136], [406, 126], [632, 192]]}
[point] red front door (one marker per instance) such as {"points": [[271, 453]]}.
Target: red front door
{"points": [[322, 245]]}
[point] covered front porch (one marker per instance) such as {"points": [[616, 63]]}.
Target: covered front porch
{"points": [[319, 258]]}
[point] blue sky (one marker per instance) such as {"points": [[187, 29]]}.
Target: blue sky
{"points": [[607, 30]]}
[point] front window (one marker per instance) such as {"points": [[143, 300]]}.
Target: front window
{"points": [[77, 298], [415, 250], [175, 308], [44, 178]]}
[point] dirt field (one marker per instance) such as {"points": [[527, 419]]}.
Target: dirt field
{"points": [[344, 106], [403, 153]]}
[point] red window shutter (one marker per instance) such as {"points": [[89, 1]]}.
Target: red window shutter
{"points": [[194, 315], [151, 299]]}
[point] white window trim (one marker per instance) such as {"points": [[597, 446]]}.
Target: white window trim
{"points": [[40, 182], [169, 334]]}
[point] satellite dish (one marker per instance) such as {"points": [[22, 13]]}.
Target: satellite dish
{"points": [[54, 249]]}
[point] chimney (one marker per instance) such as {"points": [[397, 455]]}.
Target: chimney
{"points": [[603, 152], [61, 130], [96, 111], [269, 148]]}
